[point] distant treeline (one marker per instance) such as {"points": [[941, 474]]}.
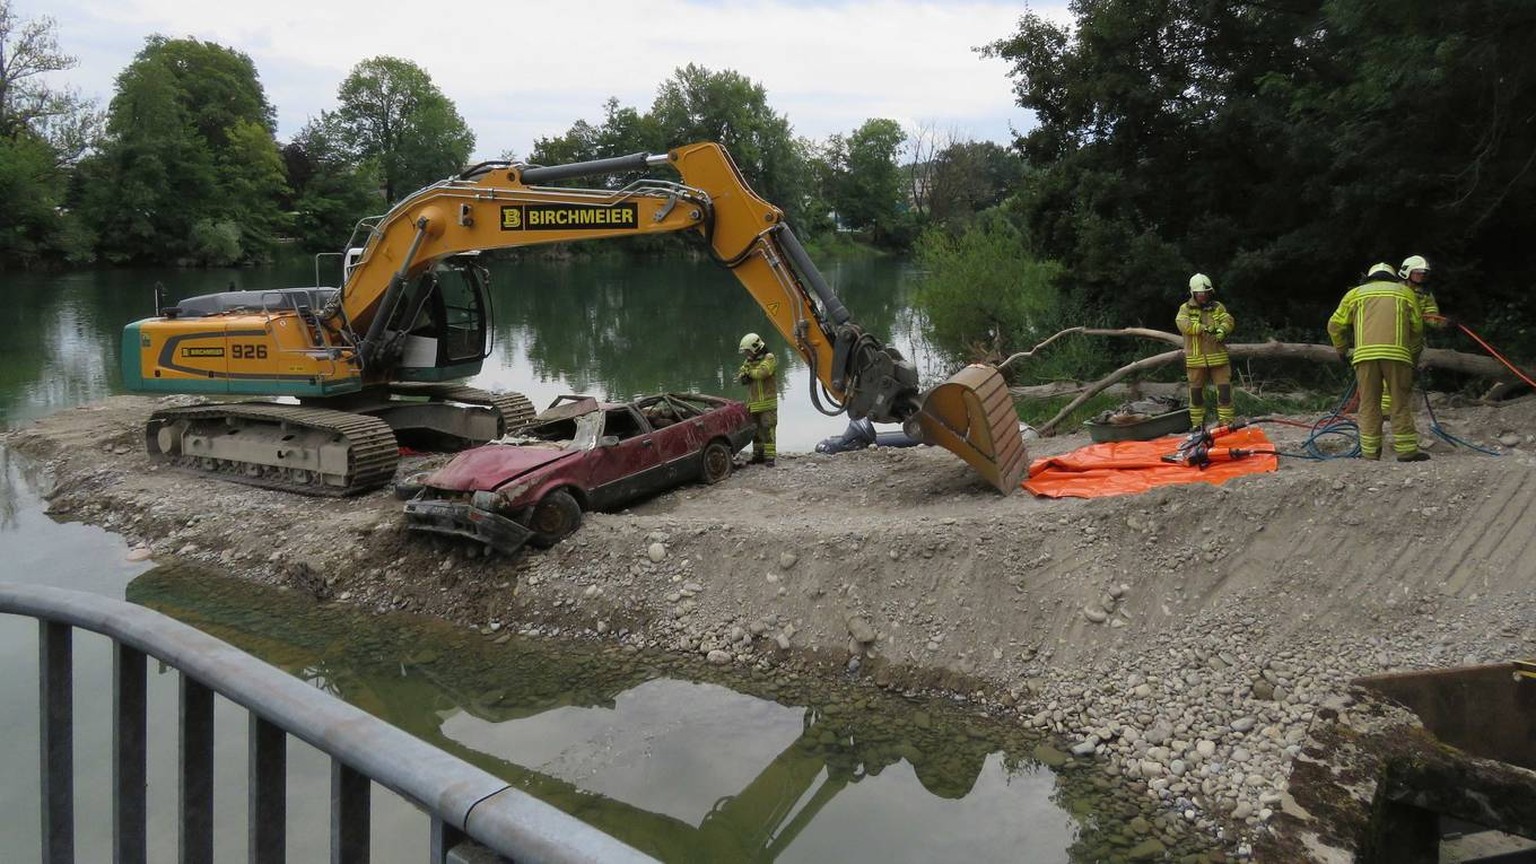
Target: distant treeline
{"points": [[1280, 147]]}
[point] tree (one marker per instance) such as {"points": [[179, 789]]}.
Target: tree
{"points": [[869, 187], [189, 170], [390, 113], [43, 132], [1281, 147], [329, 193], [696, 104], [967, 177]]}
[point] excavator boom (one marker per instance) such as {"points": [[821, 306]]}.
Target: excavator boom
{"points": [[378, 330]]}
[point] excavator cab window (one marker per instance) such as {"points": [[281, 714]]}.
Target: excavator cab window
{"points": [[461, 302]]}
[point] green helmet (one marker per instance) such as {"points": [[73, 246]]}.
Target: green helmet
{"points": [[751, 344], [1412, 263], [1200, 284], [1382, 269]]}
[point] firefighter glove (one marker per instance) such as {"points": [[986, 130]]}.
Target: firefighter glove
{"points": [[1220, 334]]}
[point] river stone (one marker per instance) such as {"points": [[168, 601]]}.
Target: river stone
{"points": [[718, 657], [860, 630], [1147, 850], [787, 560], [1049, 756], [140, 553], [656, 552], [1095, 614]]}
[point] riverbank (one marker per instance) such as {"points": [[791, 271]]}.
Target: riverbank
{"points": [[1189, 637]]}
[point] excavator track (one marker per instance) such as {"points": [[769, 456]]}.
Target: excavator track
{"points": [[516, 410], [295, 448]]}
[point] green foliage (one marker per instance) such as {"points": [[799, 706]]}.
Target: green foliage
{"points": [[968, 177], [251, 174], [328, 193], [215, 243], [29, 186], [43, 131], [1279, 148], [696, 104], [867, 186], [390, 113], [985, 295], [189, 145]]}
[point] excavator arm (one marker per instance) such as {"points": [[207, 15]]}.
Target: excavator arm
{"points": [[501, 205]]}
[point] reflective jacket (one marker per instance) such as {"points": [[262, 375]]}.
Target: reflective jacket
{"points": [[1384, 319], [1427, 307], [1201, 347], [761, 377]]}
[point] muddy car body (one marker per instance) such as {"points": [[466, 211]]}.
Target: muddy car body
{"points": [[580, 454]]}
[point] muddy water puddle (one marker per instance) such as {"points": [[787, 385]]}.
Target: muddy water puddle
{"points": [[691, 762]]}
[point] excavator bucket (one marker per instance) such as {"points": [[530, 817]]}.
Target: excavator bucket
{"points": [[971, 415]]}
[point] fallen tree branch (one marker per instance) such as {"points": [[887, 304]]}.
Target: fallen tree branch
{"points": [[1433, 358], [1141, 332]]}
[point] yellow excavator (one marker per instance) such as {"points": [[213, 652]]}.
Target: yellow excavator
{"points": [[371, 364]]}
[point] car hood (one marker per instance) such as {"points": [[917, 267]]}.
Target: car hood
{"points": [[488, 467]]}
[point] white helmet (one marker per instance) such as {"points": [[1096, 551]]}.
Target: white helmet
{"points": [[1412, 263], [751, 344], [1200, 282], [1380, 269]]}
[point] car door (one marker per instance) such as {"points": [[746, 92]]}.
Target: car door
{"points": [[679, 440], [626, 463]]}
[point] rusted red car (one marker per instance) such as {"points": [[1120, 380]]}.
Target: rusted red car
{"points": [[580, 454]]}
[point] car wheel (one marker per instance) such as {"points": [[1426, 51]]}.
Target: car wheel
{"points": [[554, 518], [715, 462]]}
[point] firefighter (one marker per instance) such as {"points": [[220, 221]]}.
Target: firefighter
{"points": [[1206, 324], [760, 373], [1415, 274], [1382, 319]]}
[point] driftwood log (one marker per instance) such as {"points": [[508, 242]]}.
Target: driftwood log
{"points": [[1461, 362]]}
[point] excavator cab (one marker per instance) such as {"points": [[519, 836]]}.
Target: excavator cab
{"points": [[444, 325]]}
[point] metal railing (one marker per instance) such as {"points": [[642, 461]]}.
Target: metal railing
{"points": [[474, 815]]}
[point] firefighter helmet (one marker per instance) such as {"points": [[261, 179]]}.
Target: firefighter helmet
{"points": [[1412, 263], [752, 344], [1200, 284], [1382, 269]]}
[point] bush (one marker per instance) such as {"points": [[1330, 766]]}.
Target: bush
{"points": [[984, 295], [215, 243]]}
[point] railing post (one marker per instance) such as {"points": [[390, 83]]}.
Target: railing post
{"points": [[129, 728], [196, 772], [349, 814], [268, 801], [56, 701], [444, 838]]}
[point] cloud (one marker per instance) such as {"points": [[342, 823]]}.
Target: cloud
{"points": [[525, 69]]}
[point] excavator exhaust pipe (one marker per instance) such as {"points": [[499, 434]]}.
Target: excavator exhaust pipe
{"points": [[972, 416]]}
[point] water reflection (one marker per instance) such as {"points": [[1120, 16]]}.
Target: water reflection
{"points": [[687, 770], [612, 326]]}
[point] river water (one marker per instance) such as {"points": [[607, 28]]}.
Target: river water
{"points": [[681, 762]]}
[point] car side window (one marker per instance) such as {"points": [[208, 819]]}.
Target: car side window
{"points": [[621, 423]]}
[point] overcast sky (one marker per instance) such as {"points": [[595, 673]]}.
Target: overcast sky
{"points": [[521, 70]]}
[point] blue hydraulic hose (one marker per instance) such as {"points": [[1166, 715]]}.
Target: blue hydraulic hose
{"points": [[1435, 427], [1334, 424]]}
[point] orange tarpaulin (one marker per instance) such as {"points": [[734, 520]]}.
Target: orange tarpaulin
{"points": [[1129, 467]]}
